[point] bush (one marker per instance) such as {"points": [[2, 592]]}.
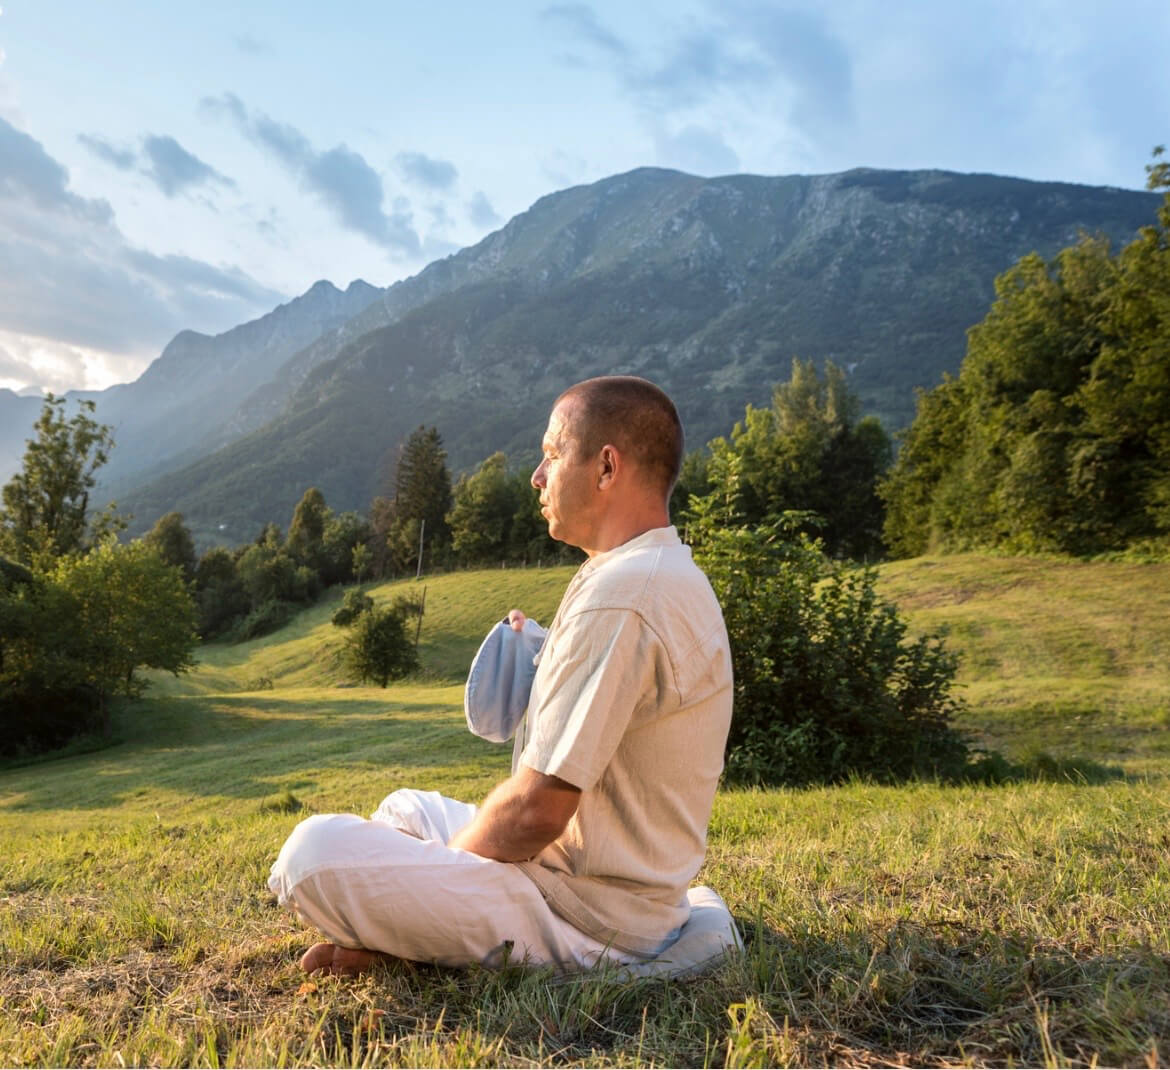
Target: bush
{"points": [[355, 603], [266, 618], [378, 648], [826, 684]]}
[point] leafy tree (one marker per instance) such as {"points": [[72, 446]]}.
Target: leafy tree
{"points": [[808, 452], [481, 518], [422, 495], [345, 533], [220, 594], [306, 533], [171, 540], [1056, 434], [378, 648], [826, 683], [46, 504], [44, 699], [132, 611]]}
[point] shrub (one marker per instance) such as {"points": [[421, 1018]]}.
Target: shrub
{"points": [[378, 648], [827, 685], [355, 603]]}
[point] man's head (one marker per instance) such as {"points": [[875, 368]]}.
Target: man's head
{"points": [[612, 453], [633, 415]]}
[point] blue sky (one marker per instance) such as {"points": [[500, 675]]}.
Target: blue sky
{"points": [[167, 166]]}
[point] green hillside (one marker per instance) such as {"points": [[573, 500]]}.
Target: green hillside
{"points": [[1026, 923]]}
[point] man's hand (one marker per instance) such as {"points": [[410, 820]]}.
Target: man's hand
{"points": [[520, 817], [516, 619]]}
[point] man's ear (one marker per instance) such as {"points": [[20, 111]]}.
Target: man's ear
{"points": [[609, 463]]}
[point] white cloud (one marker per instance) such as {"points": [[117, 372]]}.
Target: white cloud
{"points": [[80, 303]]}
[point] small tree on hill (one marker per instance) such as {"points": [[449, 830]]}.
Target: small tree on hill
{"points": [[378, 648]]}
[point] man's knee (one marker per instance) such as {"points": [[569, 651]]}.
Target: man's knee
{"points": [[315, 844]]}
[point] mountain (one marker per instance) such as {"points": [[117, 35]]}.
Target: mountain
{"points": [[174, 410], [707, 286]]}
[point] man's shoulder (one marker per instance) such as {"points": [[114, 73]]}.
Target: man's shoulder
{"points": [[656, 579]]}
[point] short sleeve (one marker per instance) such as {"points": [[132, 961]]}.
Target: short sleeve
{"points": [[588, 686]]}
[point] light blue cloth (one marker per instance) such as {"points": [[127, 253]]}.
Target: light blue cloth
{"points": [[500, 680]]}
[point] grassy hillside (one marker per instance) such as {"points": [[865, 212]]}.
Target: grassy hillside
{"points": [[1027, 923]]}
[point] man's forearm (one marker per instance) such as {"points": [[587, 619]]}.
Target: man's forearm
{"points": [[520, 817]]}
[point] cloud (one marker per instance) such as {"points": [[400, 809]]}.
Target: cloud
{"points": [[440, 217], [122, 159], [696, 150], [250, 45], [786, 62], [421, 170], [339, 177], [13, 369], [582, 21], [73, 283], [481, 212], [801, 49], [28, 173], [173, 169]]}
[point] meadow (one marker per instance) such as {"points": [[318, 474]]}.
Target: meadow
{"points": [[1019, 923]]}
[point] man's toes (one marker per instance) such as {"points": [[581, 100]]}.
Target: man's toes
{"points": [[318, 957]]}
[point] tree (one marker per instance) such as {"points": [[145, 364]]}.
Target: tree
{"points": [[486, 503], [826, 683], [44, 698], [378, 648], [1056, 434], [220, 594], [132, 611], [306, 533], [345, 534], [808, 452], [46, 504], [171, 540], [422, 496]]}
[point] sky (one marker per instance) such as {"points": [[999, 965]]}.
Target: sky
{"points": [[170, 166]]}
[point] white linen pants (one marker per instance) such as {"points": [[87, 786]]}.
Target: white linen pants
{"points": [[392, 884]]}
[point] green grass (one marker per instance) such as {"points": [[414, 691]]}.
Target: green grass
{"points": [[1027, 923]]}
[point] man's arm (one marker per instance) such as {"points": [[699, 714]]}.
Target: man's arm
{"points": [[520, 817]]}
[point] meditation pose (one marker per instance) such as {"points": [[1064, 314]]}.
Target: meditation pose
{"points": [[585, 853]]}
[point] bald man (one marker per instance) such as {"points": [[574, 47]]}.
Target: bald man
{"points": [[586, 851]]}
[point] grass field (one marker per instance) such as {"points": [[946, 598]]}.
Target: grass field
{"points": [[1025, 924]]}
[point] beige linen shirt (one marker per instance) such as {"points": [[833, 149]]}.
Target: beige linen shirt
{"points": [[631, 703]]}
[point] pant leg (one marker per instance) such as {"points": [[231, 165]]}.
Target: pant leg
{"points": [[425, 814], [369, 884]]}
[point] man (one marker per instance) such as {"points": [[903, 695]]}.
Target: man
{"points": [[585, 852]]}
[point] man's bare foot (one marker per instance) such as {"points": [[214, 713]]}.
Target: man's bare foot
{"points": [[343, 961]]}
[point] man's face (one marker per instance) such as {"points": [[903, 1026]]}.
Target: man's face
{"points": [[567, 482]]}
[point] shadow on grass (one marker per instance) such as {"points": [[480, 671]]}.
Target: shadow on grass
{"points": [[247, 747]]}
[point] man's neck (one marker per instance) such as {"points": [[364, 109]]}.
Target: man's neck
{"points": [[625, 528]]}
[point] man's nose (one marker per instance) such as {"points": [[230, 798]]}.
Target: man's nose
{"points": [[538, 476]]}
